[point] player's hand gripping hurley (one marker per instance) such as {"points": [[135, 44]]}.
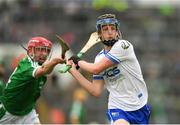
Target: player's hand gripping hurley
{"points": [[94, 39]]}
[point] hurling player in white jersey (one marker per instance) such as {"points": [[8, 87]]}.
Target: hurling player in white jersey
{"points": [[117, 68]]}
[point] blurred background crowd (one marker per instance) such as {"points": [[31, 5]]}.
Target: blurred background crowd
{"points": [[150, 25]]}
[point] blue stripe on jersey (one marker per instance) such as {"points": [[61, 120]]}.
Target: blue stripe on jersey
{"points": [[97, 77], [100, 53], [112, 58]]}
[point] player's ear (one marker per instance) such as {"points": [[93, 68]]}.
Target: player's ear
{"points": [[99, 35], [117, 35]]}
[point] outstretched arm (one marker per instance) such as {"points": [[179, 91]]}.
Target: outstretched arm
{"points": [[48, 66]]}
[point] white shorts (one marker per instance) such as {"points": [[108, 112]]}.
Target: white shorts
{"points": [[30, 118]]}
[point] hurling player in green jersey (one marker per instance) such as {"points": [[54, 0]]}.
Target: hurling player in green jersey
{"points": [[2, 84], [25, 83]]}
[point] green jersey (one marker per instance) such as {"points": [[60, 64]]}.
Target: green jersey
{"points": [[22, 89], [2, 85]]}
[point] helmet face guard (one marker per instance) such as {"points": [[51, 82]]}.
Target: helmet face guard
{"points": [[39, 44], [108, 19]]}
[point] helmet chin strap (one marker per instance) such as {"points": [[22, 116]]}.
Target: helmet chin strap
{"points": [[109, 42]]}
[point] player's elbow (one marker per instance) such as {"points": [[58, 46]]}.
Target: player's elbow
{"points": [[96, 94]]}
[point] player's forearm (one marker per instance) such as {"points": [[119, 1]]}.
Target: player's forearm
{"points": [[97, 67], [49, 66], [89, 67], [84, 82]]}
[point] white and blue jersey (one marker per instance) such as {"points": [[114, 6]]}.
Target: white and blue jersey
{"points": [[124, 81]]}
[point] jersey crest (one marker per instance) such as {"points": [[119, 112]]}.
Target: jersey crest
{"points": [[125, 45]]}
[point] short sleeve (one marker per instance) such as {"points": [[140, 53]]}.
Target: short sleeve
{"points": [[120, 51], [28, 67], [100, 75]]}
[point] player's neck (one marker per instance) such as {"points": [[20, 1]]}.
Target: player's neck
{"points": [[107, 48]]}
